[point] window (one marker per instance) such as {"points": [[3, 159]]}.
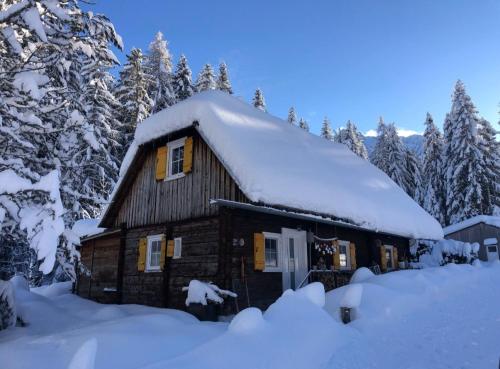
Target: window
{"points": [[176, 158], [344, 255], [389, 257], [492, 248], [153, 253], [272, 242], [177, 248]]}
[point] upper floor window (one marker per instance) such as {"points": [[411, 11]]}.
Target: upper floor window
{"points": [[176, 158]]}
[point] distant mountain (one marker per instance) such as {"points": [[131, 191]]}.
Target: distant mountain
{"points": [[413, 142]]}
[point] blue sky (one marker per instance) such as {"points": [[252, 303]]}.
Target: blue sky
{"points": [[345, 59]]}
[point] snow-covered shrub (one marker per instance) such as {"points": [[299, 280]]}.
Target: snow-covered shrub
{"points": [[437, 253], [7, 307], [202, 292]]}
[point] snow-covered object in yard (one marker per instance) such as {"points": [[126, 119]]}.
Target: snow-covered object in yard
{"points": [[361, 275], [443, 252], [352, 296], [486, 219], [87, 227], [201, 292], [277, 164]]}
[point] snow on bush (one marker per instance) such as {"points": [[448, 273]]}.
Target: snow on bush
{"points": [[361, 275], [202, 292], [352, 296], [437, 253], [7, 307]]}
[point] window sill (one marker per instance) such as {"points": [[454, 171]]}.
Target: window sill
{"points": [[152, 270], [174, 177], [272, 270]]}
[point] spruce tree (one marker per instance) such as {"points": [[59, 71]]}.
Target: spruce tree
{"points": [[158, 65], [303, 124], [132, 95], [465, 170], [490, 181], [223, 82], [183, 86], [413, 175], [379, 156], [353, 139], [397, 167], [432, 188], [258, 100], [292, 116], [326, 130], [206, 79]]}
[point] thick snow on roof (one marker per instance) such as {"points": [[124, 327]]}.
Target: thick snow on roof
{"points": [[87, 227], [276, 163], [487, 219]]}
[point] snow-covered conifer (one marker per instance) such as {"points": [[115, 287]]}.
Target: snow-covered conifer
{"points": [[182, 83], [379, 156], [490, 181], [303, 124], [292, 116], [465, 168], [353, 139], [206, 79], [258, 100], [326, 130], [413, 175], [223, 82], [158, 65], [132, 94], [397, 168], [432, 187]]}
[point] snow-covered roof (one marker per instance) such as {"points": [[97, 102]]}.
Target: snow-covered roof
{"points": [[87, 227], [278, 164], [487, 219]]}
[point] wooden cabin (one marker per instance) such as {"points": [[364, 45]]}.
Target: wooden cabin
{"points": [[483, 229], [207, 192]]}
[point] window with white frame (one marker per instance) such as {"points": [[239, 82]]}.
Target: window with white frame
{"points": [[153, 253], [344, 255], [177, 248], [272, 252], [389, 258], [176, 158]]}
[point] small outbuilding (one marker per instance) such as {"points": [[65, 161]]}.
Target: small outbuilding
{"points": [[483, 229]]}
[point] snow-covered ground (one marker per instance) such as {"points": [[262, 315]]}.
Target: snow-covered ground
{"points": [[446, 317]]}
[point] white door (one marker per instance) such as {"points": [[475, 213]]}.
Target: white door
{"points": [[294, 257], [492, 252]]}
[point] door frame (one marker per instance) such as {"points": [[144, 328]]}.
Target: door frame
{"points": [[300, 258]]}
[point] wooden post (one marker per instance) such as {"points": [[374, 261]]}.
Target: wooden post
{"points": [[121, 262]]}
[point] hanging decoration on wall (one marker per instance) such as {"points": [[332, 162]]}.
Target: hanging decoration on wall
{"points": [[325, 246]]}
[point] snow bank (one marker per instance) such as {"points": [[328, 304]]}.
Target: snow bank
{"points": [[352, 296], [361, 275], [265, 155]]}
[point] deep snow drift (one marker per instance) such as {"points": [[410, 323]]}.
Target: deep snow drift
{"points": [[276, 163], [446, 317]]}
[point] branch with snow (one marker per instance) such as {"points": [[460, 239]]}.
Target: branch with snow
{"points": [[202, 292]]}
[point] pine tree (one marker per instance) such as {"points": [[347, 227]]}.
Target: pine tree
{"points": [[206, 79], [132, 95], [413, 175], [397, 167], [326, 130], [432, 188], [292, 116], [158, 65], [303, 124], [223, 82], [465, 169], [490, 181], [183, 86], [353, 139], [258, 100], [380, 156]]}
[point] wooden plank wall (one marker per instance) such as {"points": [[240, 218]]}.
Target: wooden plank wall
{"points": [[100, 256], [154, 202]]}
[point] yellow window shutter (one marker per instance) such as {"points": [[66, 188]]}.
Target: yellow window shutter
{"points": [[187, 164], [383, 261], [336, 256], [170, 248], [395, 257], [163, 250], [141, 261], [161, 163], [259, 251], [352, 251]]}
